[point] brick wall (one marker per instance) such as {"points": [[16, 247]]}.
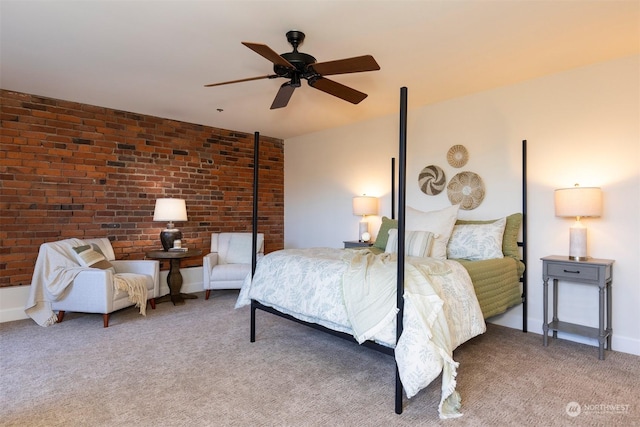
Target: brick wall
{"points": [[75, 170]]}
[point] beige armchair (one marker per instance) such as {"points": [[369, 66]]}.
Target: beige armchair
{"points": [[229, 262], [65, 281]]}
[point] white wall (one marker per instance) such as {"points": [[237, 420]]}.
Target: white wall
{"points": [[582, 126]]}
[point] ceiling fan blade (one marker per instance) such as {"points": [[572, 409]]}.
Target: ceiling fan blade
{"points": [[269, 76], [336, 89], [268, 53], [357, 64], [283, 96]]}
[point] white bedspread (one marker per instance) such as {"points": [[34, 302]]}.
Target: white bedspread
{"points": [[440, 312]]}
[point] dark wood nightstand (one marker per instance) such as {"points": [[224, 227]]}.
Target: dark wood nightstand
{"points": [[357, 244], [593, 271]]}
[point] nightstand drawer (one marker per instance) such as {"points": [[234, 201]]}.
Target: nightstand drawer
{"points": [[357, 244], [573, 271]]}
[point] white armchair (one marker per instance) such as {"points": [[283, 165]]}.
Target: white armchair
{"points": [[229, 262], [93, 290]]}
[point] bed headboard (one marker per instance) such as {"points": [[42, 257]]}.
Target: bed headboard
{"points": [[522, 244]]}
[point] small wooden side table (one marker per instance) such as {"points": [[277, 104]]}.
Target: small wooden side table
{"points": [[174, 279], [594, 271]]}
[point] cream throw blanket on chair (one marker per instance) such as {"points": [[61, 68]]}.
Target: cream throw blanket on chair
{"points": [[136, 286], [56, 268]]}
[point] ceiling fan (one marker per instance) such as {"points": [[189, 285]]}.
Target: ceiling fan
{"points": [[296, 66]]}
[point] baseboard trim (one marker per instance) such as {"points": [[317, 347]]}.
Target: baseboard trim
{"points": [[13, 299], [513, 319]]}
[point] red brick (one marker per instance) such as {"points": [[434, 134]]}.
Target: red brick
{"points": [[55, 187]]}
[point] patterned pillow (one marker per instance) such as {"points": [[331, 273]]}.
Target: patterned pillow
{"points": [[416, 243], [91, 256], [477, 241], [511, 231]]}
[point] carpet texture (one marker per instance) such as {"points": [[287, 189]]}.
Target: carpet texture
{"points": [[193, 365]]}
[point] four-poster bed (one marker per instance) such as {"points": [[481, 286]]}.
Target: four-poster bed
{"points": [[439, 275]]}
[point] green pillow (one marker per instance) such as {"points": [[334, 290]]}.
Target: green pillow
{"points": [[510, 236], [383, 233]]}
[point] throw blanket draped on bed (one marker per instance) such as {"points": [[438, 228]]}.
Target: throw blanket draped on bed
{"points": [[338, 288], [369, 288]]}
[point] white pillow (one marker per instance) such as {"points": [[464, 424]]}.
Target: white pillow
{"points": [[239, 251], [416, 243], [477, 241], [439, 222]]}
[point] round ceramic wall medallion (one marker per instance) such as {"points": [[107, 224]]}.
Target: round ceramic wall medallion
{"points": [[457, 156], [466, 189], [432, 180]]}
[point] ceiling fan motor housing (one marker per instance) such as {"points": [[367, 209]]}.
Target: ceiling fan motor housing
{"points": [[298, 59]]}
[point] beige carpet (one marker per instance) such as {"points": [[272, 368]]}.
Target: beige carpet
{"points": [[193, 365]]}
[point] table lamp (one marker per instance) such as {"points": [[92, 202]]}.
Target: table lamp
{"points": [[364, 205], [170, 210], [578, 202]]}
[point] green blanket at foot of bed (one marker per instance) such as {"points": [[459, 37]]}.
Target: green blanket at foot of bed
{"points": [[496, 282]]}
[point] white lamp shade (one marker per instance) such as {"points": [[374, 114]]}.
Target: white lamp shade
{"points": [[365, 205], [170, 210], [578, 202]]}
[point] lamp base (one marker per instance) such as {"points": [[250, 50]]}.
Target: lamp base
{"points": [[363, 227], [579, 258], [578, 242], [168, 236]]}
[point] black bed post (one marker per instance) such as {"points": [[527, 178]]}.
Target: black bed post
{"points": [[254, 244], [393, 188], [402, 191], [256, 159], [524, 235]]}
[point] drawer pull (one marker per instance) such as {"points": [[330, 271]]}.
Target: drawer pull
{"points": [[574, 272]]}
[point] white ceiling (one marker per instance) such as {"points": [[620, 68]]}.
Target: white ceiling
{"points": [[153, 57]]}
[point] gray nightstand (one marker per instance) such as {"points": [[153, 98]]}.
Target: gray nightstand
{"points": [[357, 244], [594, 271]]}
